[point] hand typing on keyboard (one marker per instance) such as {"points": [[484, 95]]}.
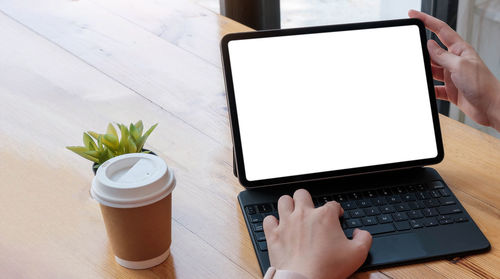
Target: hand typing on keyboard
{"points": [[310, 241]]}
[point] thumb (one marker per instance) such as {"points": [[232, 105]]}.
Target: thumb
{"points": [[444, 58], [363, 239]]}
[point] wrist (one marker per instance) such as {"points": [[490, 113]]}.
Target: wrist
{"points": [[300, 268]]}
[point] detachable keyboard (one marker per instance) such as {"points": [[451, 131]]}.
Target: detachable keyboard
{"points": [[380, 210]]}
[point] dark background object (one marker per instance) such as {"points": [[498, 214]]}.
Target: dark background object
{"points": [[258, 14]]}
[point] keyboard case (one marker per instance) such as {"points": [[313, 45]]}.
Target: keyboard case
{"points": [[388, 249]]}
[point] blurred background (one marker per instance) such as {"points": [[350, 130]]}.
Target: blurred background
{"points": [[477, 21]]}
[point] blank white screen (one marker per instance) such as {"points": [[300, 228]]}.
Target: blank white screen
{"points": [[331, 101]]}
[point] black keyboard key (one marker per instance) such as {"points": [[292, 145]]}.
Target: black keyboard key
{"points": [[431, 203], [384, 218], [372, 211], [460, 219], [346, 215], [447, 201], [322, 200], [416, 205], [356, 213], [399, 216], [446, 221], [399, 190], [348, 205], [255, 218], [387, 209], [435, 193], [369, 221], [251, 209], [343, 223], [340, 198], [257, 227], [260, 236], [353, 223], [275, 206], [450, 209], [439, 218], [364, 203], [262, 246], [402, 226], [378, 201], [355, 196], [348, 233], [393, 199], [429, 212], [422, 195], [408, 197], [316, 202], [421, 187], [370, 194], [412, 188], [436, 185], [402, 207], [416, 224], [385, 192], [444, 192], [263, 208], [378, 229], [415, 214], [430, 222], [394, 190]]}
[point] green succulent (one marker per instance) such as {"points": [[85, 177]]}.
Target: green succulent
{"points": [[99, 148]]}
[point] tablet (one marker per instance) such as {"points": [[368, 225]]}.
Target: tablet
{"points": [[322, 102]]}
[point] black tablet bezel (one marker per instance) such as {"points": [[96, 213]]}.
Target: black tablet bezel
{"points": [[233, 115]]}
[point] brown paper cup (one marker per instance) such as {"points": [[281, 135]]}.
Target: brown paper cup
{"points": [[135, 196], [140, 237]]}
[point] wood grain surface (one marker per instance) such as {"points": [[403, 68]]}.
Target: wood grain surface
{"points": [[71, 66]]}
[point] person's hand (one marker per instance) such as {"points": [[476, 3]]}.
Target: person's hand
{"points": [[468, 83], [310, 241]]}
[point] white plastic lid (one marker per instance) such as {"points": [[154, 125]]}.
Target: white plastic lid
{"points": [[132, 180]]}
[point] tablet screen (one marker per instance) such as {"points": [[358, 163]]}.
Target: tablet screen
{"points": [[330, 101]]}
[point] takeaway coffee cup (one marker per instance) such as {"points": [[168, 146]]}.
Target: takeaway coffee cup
{"points": [[135, 195]]}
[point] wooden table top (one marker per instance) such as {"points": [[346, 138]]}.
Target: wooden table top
{"points": [[71, 66]]}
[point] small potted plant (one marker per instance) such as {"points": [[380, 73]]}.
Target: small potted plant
{"points": [[99, 148]]}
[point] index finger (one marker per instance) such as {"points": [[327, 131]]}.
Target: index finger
{"points": [[444, 32]]}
